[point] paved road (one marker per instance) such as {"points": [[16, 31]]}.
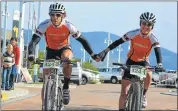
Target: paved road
{"points": [[94, 97]]}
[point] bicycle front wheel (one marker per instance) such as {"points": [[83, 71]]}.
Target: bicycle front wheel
{"points": [[49, 100], [134, 97]]}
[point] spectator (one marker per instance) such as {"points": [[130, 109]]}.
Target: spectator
{"points": [[16, 51], [7, 62]]}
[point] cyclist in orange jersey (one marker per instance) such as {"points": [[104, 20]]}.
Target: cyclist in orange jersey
{"points": [[142, 42], [57, 31]]}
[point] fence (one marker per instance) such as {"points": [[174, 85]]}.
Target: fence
{"points": [[167, 80]]}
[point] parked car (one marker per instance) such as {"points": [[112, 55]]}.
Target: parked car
{"points": [[113, 75], [88, 75], [155, 77]]}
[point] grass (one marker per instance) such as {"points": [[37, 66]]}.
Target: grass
{"points": [[94, 82]]}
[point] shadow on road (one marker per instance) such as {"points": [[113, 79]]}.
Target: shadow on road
{"points": [[104, 91], [88, 107]]}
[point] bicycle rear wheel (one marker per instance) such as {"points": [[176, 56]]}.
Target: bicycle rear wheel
{"points": [[59, 97], [134, 97]]}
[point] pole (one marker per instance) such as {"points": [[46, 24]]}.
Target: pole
{"points": [[119, 58], [37, 47], [39, 9], [0, 63], [83, 55], [21, 34], [29, 18], [108, 41], [5, 26]]}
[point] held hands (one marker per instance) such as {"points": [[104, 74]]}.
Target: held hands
{"points": [[95, 57], [5, 65], [101, 56]]}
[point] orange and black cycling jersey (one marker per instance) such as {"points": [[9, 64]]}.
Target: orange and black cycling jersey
{"points": [[140, 46], [57, 37]]}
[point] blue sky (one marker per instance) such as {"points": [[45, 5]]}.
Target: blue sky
{"points": [[114, 17]]}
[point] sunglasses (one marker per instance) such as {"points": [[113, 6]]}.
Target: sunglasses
{"points": [[57, 15], [147, 23]]}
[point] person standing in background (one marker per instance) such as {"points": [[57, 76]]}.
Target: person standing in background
{"points": [[7, 62], [16, 51]]}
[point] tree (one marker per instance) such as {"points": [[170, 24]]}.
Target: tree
{"points": [[41, 55], [87, 65], [77, 59]]}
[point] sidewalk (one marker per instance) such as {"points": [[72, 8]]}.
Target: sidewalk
{"points": [[21, 89], [39, 85], [17, 92]]}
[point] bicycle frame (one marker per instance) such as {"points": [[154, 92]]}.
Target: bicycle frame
{"points": [[51, 74], [135, 92]]}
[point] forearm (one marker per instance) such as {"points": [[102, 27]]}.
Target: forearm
{"points": [[85, 44], [115, 44], [158, 54], [32, 45]]}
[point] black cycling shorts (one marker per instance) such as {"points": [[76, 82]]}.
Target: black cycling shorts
{"points": [[51, 53], [127, 75]]}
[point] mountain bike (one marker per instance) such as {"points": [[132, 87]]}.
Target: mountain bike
{"points": [[135, 92], [52, 92]]}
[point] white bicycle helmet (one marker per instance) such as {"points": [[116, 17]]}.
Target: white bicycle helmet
{"points": [[149, 17], [56, 8]]}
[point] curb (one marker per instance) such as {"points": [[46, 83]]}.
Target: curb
{"points": [[72, 86], [6, 95]]}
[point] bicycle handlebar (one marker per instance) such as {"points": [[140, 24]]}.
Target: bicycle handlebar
{"points": [[123, 66], [126, 67], [72, 61], [119, 64]]}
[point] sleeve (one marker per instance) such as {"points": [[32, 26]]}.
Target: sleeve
{"points": [[85, 44], [130, 35], [116, 43], [41, 29], [154, 41], [17, 58], [73, 30]]}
